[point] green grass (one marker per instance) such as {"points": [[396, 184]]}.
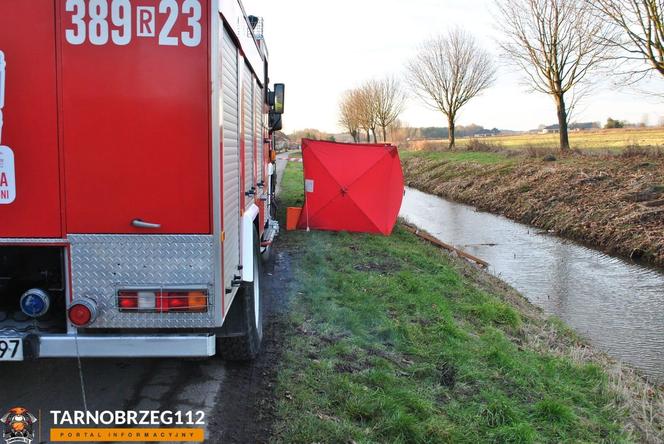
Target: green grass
{"points": [[484, 158], [390, 343], [614, 140]]}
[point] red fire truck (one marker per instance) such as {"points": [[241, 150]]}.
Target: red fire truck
{"points": [[136, 178]]}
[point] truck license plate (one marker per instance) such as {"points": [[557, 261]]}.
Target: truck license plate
{"points": [[11, 349]]}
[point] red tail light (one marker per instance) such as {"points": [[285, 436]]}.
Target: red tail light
{"points": [[128, 301], [176, 302], [82, 312], [151, 301]]}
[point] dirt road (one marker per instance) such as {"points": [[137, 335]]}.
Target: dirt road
{"points": [[237, 398]]}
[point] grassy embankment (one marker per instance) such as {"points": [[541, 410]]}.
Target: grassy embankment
{"points": [[614, 202], [395, 341]]}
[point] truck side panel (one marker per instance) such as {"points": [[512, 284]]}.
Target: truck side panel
{"points": [[258, 147], [231, 158], [258, 134], [30, 119], [248, 121], [136, 104]]}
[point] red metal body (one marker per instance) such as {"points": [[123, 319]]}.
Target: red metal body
{"points": [[139, 146], [134, 160], [118, 111], [31, 119], [109, 132], [105, 133]]}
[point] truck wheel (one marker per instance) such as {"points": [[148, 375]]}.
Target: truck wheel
{"points": [[250, 310]]}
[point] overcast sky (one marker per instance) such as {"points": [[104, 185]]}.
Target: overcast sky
{"points": [[322, 48]]}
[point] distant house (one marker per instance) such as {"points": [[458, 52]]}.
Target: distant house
{"points": [[580, 126], [584, 126], [486, 132]]}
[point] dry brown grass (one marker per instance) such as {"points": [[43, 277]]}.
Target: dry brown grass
{"points": [[634, 150], [484, 146], [427, 145]]}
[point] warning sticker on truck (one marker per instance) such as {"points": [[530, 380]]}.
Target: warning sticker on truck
{"points": [[7, 177]]}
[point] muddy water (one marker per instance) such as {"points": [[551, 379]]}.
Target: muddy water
{"points": [[616, 304]]}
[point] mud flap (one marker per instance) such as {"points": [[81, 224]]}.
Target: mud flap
{"points": [[234, 324]]}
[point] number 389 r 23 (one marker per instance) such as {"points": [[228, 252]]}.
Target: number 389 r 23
{"points": [[118, 21]]}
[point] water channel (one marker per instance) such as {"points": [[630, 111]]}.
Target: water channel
{"points": [[616, 304]]}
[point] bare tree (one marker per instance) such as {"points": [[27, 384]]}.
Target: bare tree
{"points": [[374, 104], [396, 131], [557, 44], [400, 132], [640, 36], [390, 101], [349, 115], [365, 97], [449, 71]]}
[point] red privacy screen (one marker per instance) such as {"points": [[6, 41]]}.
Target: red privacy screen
{"points": [[351, 187]]}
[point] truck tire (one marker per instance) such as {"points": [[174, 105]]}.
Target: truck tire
{"points": [[250, 310]]}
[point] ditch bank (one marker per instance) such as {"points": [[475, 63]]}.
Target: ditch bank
{"points": [[391, 339], [613, 203]]}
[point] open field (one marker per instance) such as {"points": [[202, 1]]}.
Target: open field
{"points": [[396, 341], [612, 139]]}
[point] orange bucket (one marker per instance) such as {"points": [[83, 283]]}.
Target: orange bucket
{"points": [[292, 217]]}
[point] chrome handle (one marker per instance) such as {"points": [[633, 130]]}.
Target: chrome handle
{"points": [[141, 224]]}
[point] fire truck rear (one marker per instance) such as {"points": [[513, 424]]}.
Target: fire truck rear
{"points": [[136, 178]]}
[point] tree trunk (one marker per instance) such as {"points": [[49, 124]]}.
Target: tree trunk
{"points": [[368, 137], [384, 134], [451, 131], [562, 122], [373, 130]]}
